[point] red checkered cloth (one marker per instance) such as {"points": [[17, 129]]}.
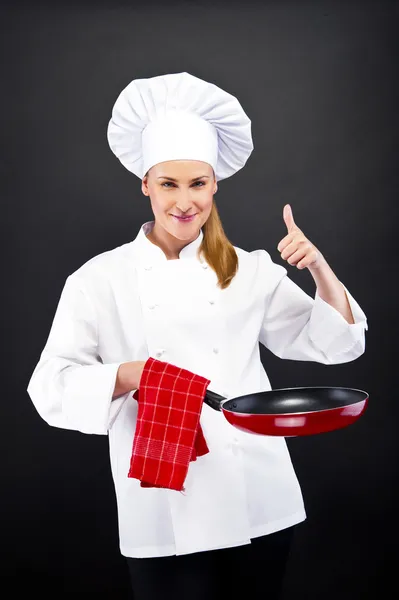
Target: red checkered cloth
{"points": [[168, 433]]}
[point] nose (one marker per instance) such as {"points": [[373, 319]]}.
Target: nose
{"points": [[184, 206], [180, 209], [184, 202]]}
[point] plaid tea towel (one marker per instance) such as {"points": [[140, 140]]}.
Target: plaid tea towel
{"points": [[168, 433]]}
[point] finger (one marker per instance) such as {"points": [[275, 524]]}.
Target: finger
{"points": [[286, 240], [308, 260], [289, 218], [296, 244], [297, 256]]}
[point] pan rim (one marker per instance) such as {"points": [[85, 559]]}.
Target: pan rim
{"points": [[290, 414]]}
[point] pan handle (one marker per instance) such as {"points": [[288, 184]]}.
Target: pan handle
{"points": [[213, 400]]}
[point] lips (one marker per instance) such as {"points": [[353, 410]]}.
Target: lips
{"points": [[185, 219]]}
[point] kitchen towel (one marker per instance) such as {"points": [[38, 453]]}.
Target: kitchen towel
{"points": [[168, 433]]}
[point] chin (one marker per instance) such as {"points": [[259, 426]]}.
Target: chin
{"points": [[184, 236]]}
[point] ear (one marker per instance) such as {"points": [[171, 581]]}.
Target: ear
{"points": [[144, 186]]}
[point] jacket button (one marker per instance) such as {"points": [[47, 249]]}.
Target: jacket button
{"points": [[211, 301], [215, 350]]}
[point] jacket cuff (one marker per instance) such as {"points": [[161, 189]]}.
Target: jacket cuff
{"points": [[87, 399], [330, 332]]}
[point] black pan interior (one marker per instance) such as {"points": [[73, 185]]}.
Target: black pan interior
{"points": [[294, 400]]}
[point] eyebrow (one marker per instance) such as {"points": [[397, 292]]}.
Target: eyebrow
{"points": [[172, 179]]}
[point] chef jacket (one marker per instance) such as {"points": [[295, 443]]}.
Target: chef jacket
{"points": [[131, 302]]}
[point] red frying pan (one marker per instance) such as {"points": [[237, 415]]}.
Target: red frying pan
{"points": [[292, 411]]}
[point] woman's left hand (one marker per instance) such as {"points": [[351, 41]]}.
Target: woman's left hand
{"points": [[295, 247]]}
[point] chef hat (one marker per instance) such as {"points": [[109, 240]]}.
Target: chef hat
{"points": [[179, 116]]}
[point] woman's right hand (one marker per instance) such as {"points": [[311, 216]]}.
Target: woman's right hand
{"points": [[128, 377]]}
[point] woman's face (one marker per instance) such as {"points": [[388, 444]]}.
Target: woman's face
{"points": [[180, 187]]}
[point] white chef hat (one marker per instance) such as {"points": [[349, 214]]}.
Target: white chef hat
{"points": [[179, 116]]}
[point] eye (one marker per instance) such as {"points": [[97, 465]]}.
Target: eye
{"points": [[167, 183]]}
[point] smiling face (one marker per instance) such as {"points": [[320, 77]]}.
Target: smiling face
{"points": [[179, 188]]}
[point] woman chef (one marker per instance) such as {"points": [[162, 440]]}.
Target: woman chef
{"points": [[182, 293]]}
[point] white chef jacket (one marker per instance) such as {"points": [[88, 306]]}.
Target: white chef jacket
{"points": [[130, 303]]}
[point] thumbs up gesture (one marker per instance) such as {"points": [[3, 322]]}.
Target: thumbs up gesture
{"points": [[295, 247]]}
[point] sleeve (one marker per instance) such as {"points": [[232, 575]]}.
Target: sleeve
{"points": [[70, 386], [298, 327]]}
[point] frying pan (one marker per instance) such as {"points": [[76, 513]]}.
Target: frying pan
{"points": [[291, 412]]}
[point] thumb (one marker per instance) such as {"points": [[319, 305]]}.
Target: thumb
{"points": [[288, 218]]}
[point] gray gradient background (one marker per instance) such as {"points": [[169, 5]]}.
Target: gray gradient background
{"points": [[319, 81]]}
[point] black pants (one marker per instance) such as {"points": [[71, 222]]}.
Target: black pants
{"points": [[251, 571]]}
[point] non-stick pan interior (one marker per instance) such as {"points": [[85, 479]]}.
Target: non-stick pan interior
{"points": [[294, 400]]}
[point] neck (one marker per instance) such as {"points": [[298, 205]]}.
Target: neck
{"points": [[170, 245]]}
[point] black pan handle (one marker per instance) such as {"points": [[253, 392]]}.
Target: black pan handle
{"points": [[213, 400]]}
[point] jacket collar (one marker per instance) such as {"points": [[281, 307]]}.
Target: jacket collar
{"points": [[147, 253]]}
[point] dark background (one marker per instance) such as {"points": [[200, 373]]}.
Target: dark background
{"points": [[319, 81]]}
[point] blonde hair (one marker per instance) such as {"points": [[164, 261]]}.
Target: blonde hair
{"points": [[217, 249]]}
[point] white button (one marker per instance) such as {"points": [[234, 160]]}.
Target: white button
{"points": [[204, 266], [215, 350], [151, 306], [148, 268], [159, 353], [211, 301]]}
